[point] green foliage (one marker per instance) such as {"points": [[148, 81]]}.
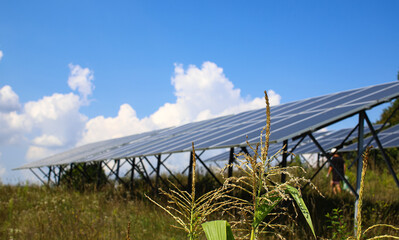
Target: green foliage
{"points": [[218, 230], [337, 224], [388, 111], [264, 209], [302, 206], [82, 175]]}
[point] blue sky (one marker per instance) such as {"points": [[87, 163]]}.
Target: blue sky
{"points": [[111, 62]]}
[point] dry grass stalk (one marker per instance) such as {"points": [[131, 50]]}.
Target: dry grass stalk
{"points": [[128, 231]]}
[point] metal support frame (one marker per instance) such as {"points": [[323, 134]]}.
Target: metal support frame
{"points": [[284, 160], [41, 180], [231, 161], [169, 171], [143, 172], [190, 172], [209, 170], [385, 156], [133, 164], [117, 175], [157, 171]]}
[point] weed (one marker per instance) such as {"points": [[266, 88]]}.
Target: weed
{"points": [[336, 222]]}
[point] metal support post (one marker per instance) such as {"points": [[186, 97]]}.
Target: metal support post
{"points": [[231, 161], [49, 175], [190, 172], [117, 162], [144, 173], [284, 161], [132, 174], [157, 171], [99, 173]]}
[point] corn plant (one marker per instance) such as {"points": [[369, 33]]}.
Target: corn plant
{"points": [[259, 181], [189, 211]]}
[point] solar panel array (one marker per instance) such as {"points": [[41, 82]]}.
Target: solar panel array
{"points": [[331, 140], [327, 139], [389, 138], [273, 148], [287, 121]]}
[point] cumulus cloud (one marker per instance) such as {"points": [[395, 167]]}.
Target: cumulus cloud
{"points": [[9, 100], [201, 93], [81, 79], [13, 125], [48, 125], [125, 123], [47, 140], [57, 121], [35, 153]]}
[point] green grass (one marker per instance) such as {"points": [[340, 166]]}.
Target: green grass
{"points": [[33, 212], [38, 212]]}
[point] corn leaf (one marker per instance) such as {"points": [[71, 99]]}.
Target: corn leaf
{"points": [[218, 230], [301, 204], [264, 209]]}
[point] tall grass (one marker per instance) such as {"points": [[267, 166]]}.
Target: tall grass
{"points": [[37, 212]]}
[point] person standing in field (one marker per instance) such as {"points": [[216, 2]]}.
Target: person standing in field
{"points": [[338, 162]]}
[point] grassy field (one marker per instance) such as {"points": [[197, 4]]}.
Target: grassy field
{"points": [[39, 212], [33, 212]]}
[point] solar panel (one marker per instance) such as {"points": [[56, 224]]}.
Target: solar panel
{"points": [[287, 121], [389, 138], [331, 139]]}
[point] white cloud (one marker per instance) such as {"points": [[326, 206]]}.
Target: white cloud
{"points": [[46, 126], [9, 100], [1, 55], [52, 107], [35, 153], [201, 93], [47, 140], [126, 123], [81, 79]]}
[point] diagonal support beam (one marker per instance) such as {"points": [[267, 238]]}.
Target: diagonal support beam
{"points": [[209, 170], [117, 176], [153, 168], [41, 180], [143, 173], [386, 158]]}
